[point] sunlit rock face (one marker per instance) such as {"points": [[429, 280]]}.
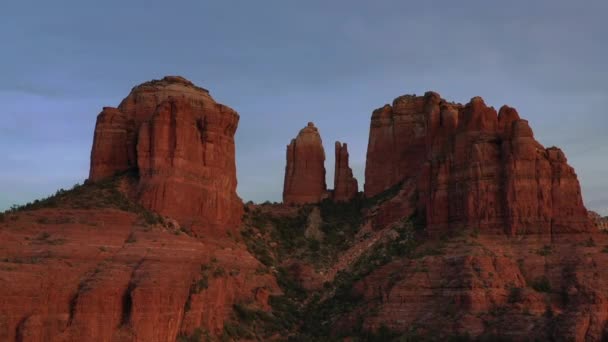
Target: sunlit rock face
{"points": [[473, 167], [182, 143]]}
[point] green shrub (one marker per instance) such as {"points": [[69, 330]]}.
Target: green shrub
{"points": [[219, 272], [198, 335], [515, 295], [546, 250], [541, 284]]}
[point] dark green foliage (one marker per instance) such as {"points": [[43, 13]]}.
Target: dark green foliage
{"points": [[515, 294], [310, 316], [286, 311], [219, 272], [341, 221], [198, 335], [384, 195], [545, 251], [101, 194], [291, 287], [549, 312], [541, 284], [235, 332], [321, 315], [381, 335], [590, 242], [45, 238]]}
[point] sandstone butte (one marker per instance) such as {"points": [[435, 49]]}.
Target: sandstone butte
{"points": [[470, 166], [481, 234], [182, 144], [305, 169]]}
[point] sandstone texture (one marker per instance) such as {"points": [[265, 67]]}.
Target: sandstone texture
{"points": [[470, 229], [493, 288], [104, 275], [473, 167], [345, 185], [305, 169], [181, 142]]}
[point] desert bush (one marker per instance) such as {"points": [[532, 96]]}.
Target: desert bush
{"points": [[546, 250], [541, 284], [515, 294]]}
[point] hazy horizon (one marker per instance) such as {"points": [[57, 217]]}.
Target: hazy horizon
{"points": [[281, 66]]}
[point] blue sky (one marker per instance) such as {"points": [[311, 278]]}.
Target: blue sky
{"points": [[283, 63]]}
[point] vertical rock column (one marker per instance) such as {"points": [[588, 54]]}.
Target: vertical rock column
{"points": [[305, 169], [345, 185]]}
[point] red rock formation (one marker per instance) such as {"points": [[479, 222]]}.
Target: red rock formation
{"points": [[110, 152], [490, 288], [305, 169], [473, 167], [96, 275], [182, 143], [345, 185], [600, 222]]}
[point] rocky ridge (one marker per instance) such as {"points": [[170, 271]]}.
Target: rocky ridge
{"points": [[469, 229]]}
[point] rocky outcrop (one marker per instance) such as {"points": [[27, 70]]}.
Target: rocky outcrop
{"points": [[182, 143], [305, 169], [493, 288], [473, 168], [119, 280], [600, 222], [345, 185]]}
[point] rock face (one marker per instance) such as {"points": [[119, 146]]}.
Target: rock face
{"points": [[182, 143], [345, 185], [473, 167], [305, 169], [118, 282]]}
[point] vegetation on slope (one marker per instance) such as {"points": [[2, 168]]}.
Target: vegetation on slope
{"points": [[98, 195], [301, 315]]}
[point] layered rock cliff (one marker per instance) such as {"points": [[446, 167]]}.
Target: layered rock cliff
{"points": [[345, 185], [305, 170], [182, 144], [472, 167]]}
